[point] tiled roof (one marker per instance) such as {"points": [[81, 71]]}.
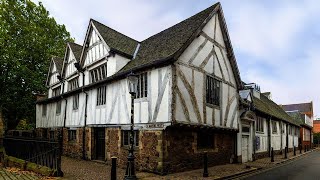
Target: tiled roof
{"points": [[302, 107], [166, 43], [58, 62], [76, 49], [116, 40], [269, 107]]}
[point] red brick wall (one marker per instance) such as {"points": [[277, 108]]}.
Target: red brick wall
{"points": [[183, 153], [316, 126]]}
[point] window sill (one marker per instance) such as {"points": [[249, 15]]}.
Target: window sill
{"points": [[143, 99], [100, 106], [135, 148], [75, 110], [72, 141], [209, 150], [259, 132], [213, 106]]}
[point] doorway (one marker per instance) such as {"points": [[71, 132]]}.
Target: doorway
{"points": [[100, 143], [245, 149]]}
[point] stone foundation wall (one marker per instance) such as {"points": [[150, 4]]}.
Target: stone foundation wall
{"points": [[73, 148], [160, 151]]}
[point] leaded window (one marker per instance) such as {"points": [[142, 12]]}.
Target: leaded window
{"points": [[126, 138], [75, 104], [274, 127], [44, 110], [212, 91], [260, 124], [101, 95], [58, 107], [72, 135], [99, 73], [73, 84], [142, 87], [56, 91]]}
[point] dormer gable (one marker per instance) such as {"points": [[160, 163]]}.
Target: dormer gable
{"points": [[54, 71], [106, 48], [94, 48], [72, 55]]}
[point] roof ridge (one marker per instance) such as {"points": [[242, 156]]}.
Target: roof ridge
{"points": [[113, 30], [216, 4]]}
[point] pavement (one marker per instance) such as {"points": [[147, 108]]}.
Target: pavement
{"points": [[75, 169], [17, 174], [299, 168], [80, 169]]}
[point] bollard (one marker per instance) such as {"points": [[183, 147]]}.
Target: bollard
{"points": [[113, 168], [205, 165], [285, 152], [305, 148], [272, 155], [294, 150], [300, 148]]}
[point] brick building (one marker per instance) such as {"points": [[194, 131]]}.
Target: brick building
{"points": [[304, 113]]}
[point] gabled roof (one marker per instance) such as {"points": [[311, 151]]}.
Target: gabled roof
{"points": [[170, 43], [58, 62], [269, 107], [302, 107], [55, 61], [299, 118], [116, 40], [76, 49]]}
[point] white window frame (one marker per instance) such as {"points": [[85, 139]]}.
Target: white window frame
{"points": [[142, 86], [260, 124], [101, 95]]}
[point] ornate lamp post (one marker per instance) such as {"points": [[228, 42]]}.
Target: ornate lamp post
{"points": [[130, 171]]}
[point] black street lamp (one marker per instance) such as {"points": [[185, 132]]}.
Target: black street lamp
{"points": [[130, 171]]}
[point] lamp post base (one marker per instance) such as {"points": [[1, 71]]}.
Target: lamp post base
{"points": [[130, 171]]}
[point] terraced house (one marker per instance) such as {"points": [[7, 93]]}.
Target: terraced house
{"points": [[303, 113], [264, 126], [187, 100]]}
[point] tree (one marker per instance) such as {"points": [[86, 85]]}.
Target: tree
{"points": [[316, 138], [28, 40]]}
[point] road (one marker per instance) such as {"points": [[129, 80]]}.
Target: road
{"points": [[305, 168]]}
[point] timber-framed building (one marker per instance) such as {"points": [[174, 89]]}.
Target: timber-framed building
{"points": [[187, 103]]}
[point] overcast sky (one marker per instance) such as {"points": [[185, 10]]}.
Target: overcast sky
{"points": [[276, 43]]}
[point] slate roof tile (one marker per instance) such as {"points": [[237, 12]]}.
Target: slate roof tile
{"points": [[269, 107]]}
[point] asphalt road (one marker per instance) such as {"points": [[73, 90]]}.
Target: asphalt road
{"points": [[305, 168]]}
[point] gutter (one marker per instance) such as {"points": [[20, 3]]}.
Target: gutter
{"points": [[84, 128]]}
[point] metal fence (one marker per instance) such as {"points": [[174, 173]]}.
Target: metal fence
{"points": [[32, 149]]}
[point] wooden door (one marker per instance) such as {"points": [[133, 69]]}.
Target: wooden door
{"points": [[100, 143], [245, 148]]}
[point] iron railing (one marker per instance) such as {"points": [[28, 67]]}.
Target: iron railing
{"points": [[40, 151]]}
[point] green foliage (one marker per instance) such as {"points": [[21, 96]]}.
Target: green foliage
{"points": [[316, 138], [28, 39], [24, 125]]}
